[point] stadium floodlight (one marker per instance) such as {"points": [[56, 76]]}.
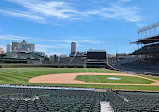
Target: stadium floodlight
{"points": [[148, 31], [154, 25]]}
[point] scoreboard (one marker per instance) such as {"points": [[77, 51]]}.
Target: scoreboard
{"points": [[96, 55]]}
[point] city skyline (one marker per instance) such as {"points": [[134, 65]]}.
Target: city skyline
{"points": [[20, 47], [52, 24]]}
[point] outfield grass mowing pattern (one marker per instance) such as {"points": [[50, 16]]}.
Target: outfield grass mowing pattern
{"points": [[151, 77], [22, 75], [103, 79]]}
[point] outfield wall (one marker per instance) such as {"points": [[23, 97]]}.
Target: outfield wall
{"points": [[43, 87]]}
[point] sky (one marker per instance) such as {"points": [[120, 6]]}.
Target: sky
{"points": [[93, 24]]}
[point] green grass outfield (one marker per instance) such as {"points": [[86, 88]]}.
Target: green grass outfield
{"points": [[22, 75], [104, 79], [150, 77]]}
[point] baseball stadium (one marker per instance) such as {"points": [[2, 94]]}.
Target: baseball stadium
{"points": [[93, 79], [87, 82]]}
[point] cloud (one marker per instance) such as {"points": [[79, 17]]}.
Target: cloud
{"points": [[42, 11], [20, 38], [140, 25], [124, 0], [11, 37], [117, 10], [78, 41], [43, 48], [49, 45], [23, 14], [53, 46], [47, 48]]}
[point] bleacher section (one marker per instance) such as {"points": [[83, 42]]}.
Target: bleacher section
{"points": [[148, 49], [146, 60], [23, 99], [68, 61], [138, 65], [149, 52], [63, 60], [125, 101], [47, 100], [21, 55], [77, 60], [120, 64]]}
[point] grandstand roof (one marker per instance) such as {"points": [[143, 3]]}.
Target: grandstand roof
{"points": [[147, 40]]}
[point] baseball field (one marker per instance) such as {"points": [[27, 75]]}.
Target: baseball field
{"points": [[82, 77]]}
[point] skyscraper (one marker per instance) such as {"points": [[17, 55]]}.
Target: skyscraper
{"points": [[73, 47], [9, 47], [20, 47]]}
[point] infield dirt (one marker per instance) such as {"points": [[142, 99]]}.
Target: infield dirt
{"points": [[68, 78]]}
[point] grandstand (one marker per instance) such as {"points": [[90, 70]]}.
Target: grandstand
{"points": [[146, 58], [34, 58], [67, 61], [149, 53], [152, 49], [77, 60], [131, 101], [20, 98], [89, 58], [49, 100], [21, 57], [150, 40]]}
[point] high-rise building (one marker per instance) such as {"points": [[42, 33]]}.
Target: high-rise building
{"points": [[73, 47], [9, 48], [20, 47], [1, 51]]}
